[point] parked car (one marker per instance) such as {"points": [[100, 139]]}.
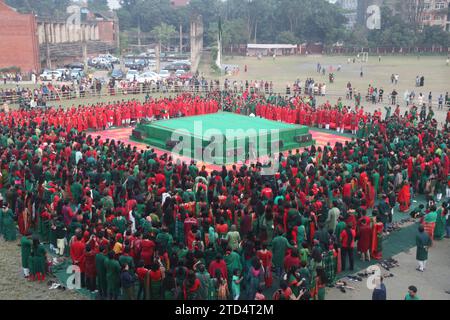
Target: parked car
{"points": [[185, 76], [132, 75], [164, 74], [117, 74], [110, 58], [179, 73], [77, 73], [178, 66], [129, 63], [75, 65], [51, 75], [148, 76]]}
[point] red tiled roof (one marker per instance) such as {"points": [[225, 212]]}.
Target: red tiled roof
{"points": [[179, 3]]}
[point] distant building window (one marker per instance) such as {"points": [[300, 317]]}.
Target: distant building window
{"points": [[439, 5]]}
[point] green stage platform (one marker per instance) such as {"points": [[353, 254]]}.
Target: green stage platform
{"points": [[235, 133]]}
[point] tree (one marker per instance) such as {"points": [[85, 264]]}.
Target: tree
{"points": [[287, 37], [163, 33], [98, 5], [233, 33], [434, 36], [394, 32], [43, 8], [411, 10]]}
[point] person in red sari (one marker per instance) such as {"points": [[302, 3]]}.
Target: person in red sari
{"points": [[24, 218], [77, 251], [266, 260], [377, 238], [365, 239], [404, 197]]}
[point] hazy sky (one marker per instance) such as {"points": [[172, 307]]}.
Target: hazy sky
{"points": [[114, 4]]}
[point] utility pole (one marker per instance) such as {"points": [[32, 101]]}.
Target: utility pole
{"points": [[47, 47], [158, 56], [84, 47], [181, 38], [139, 31]]}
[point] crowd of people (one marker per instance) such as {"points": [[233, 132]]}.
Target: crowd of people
{"points": [[143, 226]]}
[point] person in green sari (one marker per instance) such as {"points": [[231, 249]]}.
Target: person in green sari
{"points": [[153, 282], [25, 250], [100, 267], [39, 260], [233, 262], [205, 281], [113, 270], [329, 262], [439, 229], [294, 280], [321, 282], [76, 189], [279, 246], [9, 225]]}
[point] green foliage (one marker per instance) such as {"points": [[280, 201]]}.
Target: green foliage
{"points": [[214, 67], [13, 69], [287, 37], [44, 8], [396, 32], [98, 5], [149, 14], [163, 33], [233, 32], [434, 36], [243, 20]]}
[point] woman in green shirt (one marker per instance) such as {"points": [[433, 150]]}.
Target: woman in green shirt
{"points": [[439, 229]]}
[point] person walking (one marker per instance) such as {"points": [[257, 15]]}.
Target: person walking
{"points": [[423, 242]]}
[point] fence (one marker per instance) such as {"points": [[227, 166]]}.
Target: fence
{"points": [[163, 90], [315, 48], [388, 50]]}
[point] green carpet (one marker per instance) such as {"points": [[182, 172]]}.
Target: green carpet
{"points": [[224, 121], [233, 135]]}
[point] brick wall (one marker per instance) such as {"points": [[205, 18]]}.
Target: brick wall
{"points": [[18, 39], [106, 31]]}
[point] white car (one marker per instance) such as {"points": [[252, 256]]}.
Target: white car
{"points": [[51, 75], [110, 58], [179, 72], [164, 74], [131, 75], [148, 77]]}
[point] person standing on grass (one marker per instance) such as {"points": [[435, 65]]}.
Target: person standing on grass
{"points": [[423, 242], [440, 102]]}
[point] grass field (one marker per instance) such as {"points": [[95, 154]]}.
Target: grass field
{"points": [[285, 70]]}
